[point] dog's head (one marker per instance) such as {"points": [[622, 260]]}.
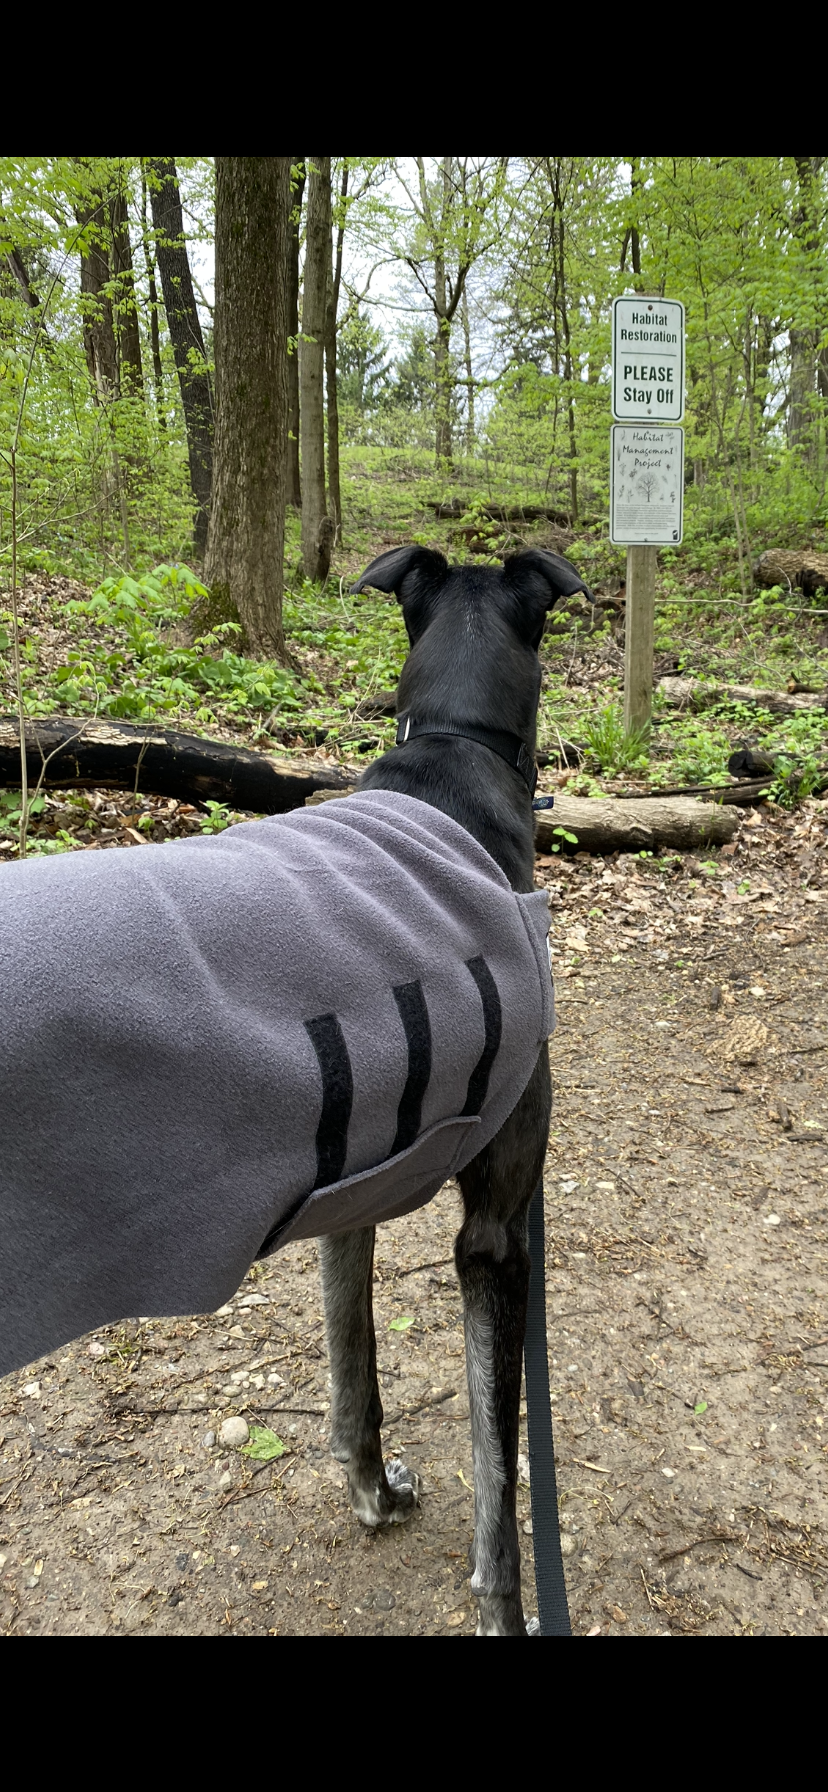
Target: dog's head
{"points": [[518, 594]]}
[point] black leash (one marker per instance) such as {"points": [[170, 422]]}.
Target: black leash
{"points": [[553, 1611]]}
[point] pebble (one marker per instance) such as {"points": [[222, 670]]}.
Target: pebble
{"points": [[234, 1433], [226, 1482], [569, 1546], [669, 1474], [769, 1219], [523, 1469], [208, 1440]]}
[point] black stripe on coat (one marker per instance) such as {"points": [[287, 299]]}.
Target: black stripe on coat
{"points": [[328, 1041], [414, 1016], [493, 1027]]}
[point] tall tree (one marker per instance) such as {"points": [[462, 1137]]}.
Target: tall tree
{"points": [[185, 332], [317, 527], [805, 334], [99, 341], [294, 244], [245, 548], [331, 327], [456, 222], [155, 334], [128, 336]]}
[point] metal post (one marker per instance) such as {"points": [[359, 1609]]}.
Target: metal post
{"points": [[638, 637]]}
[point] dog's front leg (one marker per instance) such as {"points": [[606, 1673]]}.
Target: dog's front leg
{"points": [[493, 1266], [380, 1493]]}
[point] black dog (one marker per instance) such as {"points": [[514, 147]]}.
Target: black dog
{"points": [[467, 702]]}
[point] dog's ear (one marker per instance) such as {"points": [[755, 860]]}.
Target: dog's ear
{"points": [[538, 579], [404, 571], [560, 577]]}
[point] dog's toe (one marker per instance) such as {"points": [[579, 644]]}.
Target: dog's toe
{"points": [[390, 1501], [404, 1486]]}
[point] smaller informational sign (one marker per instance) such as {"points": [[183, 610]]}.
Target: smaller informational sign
{"points": [[646, 485], [647, 360]]}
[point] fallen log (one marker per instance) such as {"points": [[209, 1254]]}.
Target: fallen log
{"points": [[616, 824], [697, 693], [162, 760], [798, 566]]}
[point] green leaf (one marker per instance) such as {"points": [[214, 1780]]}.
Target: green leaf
{"points": [[402, 1324], [5, 641], [700, 1406], [264, 1445]]}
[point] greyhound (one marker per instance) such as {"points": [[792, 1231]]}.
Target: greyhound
{"points": [[239, 1001], [467, 707]]}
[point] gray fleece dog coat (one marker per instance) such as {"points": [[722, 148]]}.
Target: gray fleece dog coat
{"points": [[301, 1026]]}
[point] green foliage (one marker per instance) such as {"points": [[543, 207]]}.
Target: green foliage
{"points": [[793, 782], [571, 839], [133, 666], [612, 747], [217, 818], [700, 751], [264, 1445]]}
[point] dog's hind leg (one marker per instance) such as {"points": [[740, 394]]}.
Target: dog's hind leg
{"points": [[380, 1494], [493, 1265]]}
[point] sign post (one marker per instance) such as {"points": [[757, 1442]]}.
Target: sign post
{"points": [[646, 470]]}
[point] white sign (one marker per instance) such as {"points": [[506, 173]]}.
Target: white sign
{"points": [[647, 360], [646, 486]]}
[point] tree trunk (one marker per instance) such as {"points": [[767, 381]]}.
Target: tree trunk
{"points": [[185, 334], [442, 339], [470, 430], [317, 528], [804, 567], [128, 339], [155, 338], [294, 482], [803, 346], [245, 549], [695, 693], [632, 238], [334, 493], [67, 754], [804, 339], [96, 308], [615, 824]]}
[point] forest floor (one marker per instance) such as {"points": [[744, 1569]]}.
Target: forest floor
{"points": [[687, 1241], [687, 1264]]}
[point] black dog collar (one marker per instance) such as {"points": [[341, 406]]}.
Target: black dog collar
{"points": [[507, 746]]}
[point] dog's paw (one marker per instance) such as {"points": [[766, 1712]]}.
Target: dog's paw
{"points": [[392, 1503], [501, 1615], [404, 1485]]}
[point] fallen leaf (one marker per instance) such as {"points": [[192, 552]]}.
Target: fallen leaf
{"points": [[264, 1445], [455, 1618], [402, 1324]]}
